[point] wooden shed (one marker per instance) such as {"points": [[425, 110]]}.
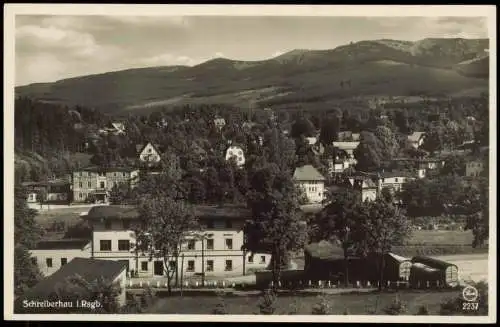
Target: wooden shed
{"points": [[396, 267], [448, 272]]}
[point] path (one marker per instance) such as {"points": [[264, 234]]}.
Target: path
{"points": [[470, 266]]}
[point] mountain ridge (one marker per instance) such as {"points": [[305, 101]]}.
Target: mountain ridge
{"points": [[448, 66]]}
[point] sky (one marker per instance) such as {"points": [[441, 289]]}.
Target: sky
{"points": [[50, 48]]}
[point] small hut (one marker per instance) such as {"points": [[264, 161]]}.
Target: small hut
{"points": [[447, 272], [396, 267], [325, 261]]}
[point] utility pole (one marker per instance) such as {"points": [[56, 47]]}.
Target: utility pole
{"points": [[203, 261]]}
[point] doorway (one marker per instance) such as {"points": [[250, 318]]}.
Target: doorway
{"points": [[158, 268]]}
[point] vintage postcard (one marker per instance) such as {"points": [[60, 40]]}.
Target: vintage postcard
{"points": [[250, 163]]}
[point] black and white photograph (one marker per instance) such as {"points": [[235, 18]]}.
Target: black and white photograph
{"points": [[273, 163]]}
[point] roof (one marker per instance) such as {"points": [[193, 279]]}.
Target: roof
{"points": [[431, 262], [346, 145], [307, 173], [140, 147], [415, 136], [62, 244], [311, 140], [202, 212], [89, 269], [325, 251], [106, 169], [389, 174]]}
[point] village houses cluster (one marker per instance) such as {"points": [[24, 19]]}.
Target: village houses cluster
{"points": [[219, 252]]}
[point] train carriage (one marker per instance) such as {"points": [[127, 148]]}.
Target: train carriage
{"points": [[441, 272]]}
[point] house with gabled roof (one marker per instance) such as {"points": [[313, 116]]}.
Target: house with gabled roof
{"points": [[416, 139], [149, 152], [219, 122], [312, 182], [236, 152], [36, 299]]}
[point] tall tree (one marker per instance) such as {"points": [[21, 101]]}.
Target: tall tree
{"points": [[384, 226], [388, 141], [165, 225], [338, 222], [26, 234], [276, 226], [369, 154]]}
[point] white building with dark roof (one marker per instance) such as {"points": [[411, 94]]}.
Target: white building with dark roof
{"points": [[310, 180], [416, 139], [237, 153], [219, 254], [51, 255]]}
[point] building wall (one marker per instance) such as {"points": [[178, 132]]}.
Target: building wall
{"points": [[236, 151], [56, 256], [86, 182], [219, 254], [474, 168], [149, 154], [368, 194], [395, 183], [314, 190], [122, 280]]}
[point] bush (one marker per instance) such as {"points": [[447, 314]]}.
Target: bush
{"points": [[220, 308], [422, 311], [294, 308], [322, 307], [147, 298], [267, 305], [396, 308]]}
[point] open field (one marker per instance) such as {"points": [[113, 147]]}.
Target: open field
{"points": [[356, 304], [441, 237]]}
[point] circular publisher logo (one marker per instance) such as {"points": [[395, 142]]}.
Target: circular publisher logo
{"points": [[470, 293]]}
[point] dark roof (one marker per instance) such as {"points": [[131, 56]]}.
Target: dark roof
{"points": [[105, 169], [130, 212], [431, 262], [63, 244], [307, 173], [324, 251], [89, 269], [140, 147]]}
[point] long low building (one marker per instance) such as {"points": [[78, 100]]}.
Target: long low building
{"points": [[51, 255], [218, 254]]}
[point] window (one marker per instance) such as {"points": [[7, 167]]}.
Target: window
{"points": [[80, 184], [89, 184], [105, 245], [101, 174], [210, 224], [190, 266], [262, 259], [49, 262], [33, 260], [114, 174], [250, 259], [396, 179], [64, 261], [191, 244], [123, 245], [229, 243], [229, 224], [80, 196], [210, 244], [124, 174], [171, 265], [229, 265], [107, 224], [144, 266], [210, 265], [102, 184], [126, 224]]}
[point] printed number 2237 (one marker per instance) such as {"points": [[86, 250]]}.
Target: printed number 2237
{"points": [[470, 306]]}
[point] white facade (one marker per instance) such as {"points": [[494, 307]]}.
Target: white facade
{"points": [[236, 152], [222, 252], [314, 190], [474, 168], [395, 183], [50, 260], [149, 154]]}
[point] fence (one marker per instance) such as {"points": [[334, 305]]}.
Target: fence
{"points": [[299, 284]]}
